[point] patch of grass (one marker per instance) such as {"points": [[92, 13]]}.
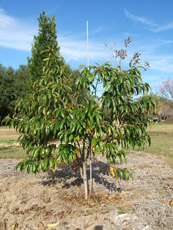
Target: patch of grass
{"points": [[8, 141], [12, 153], [8, 136], [11, 142], [161, 141], [122, 211]]}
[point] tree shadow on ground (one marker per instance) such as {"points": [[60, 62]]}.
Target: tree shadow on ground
{"points": [[98, 227], [68, 176]]}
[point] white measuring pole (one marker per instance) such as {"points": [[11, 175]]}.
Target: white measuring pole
{"points": [[87, 44], [91, 157]]}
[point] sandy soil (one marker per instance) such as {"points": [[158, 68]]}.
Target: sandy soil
{"points": [[36, 201]]}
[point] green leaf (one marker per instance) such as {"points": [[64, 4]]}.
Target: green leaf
{"points": [[94, 142], [47, 151], [62, 124], [126, 174], [36, 152], [49, 94], [101, 145], [29, 169], [26, 127], [116, 174], [39, 167], [71, 138], [12, 123], [34, 168], [121, 174], [47, 130], [45, 164], [45, 99], [108, 159], [52, 163], [19, 126], [20, 166], [97, 120]]}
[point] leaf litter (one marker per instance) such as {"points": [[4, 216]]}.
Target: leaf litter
{"points": [[56, 200]]}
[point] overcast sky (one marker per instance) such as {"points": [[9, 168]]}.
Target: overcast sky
{"points": [[149, 23]]}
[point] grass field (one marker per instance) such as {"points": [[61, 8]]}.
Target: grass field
{"points": [[8, 137], [161, 137], [161, 141]]}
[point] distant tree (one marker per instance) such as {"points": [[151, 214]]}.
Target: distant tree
{"points": [[46, 39], [13, 85], [9, 71], [21, 81], [7, 92], [166, 91]]}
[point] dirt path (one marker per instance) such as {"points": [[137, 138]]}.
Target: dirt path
{"points": [[35, 201]]}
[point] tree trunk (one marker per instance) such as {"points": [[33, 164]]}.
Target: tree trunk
{"points": [[119, 146], [91, 176]]}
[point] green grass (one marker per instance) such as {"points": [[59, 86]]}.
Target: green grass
{"points": [[8, 141], [161, 141], [8, 137], [12, 153]]}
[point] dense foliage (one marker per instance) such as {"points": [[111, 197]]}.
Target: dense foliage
{"points": [[13, 85]]}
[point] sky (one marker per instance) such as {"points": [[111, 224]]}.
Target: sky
{"points": [[148, 23]]}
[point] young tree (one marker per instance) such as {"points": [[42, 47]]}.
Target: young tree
{"points": [[52, 113], [46, 39]]}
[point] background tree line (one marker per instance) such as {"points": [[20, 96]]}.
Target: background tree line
{"points": [[14, 84]]}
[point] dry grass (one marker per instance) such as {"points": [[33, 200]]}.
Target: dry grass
{"points": [[161, 128], [8, 133]]}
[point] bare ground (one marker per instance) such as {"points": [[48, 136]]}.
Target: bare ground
{"points": [[35, 201]]}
